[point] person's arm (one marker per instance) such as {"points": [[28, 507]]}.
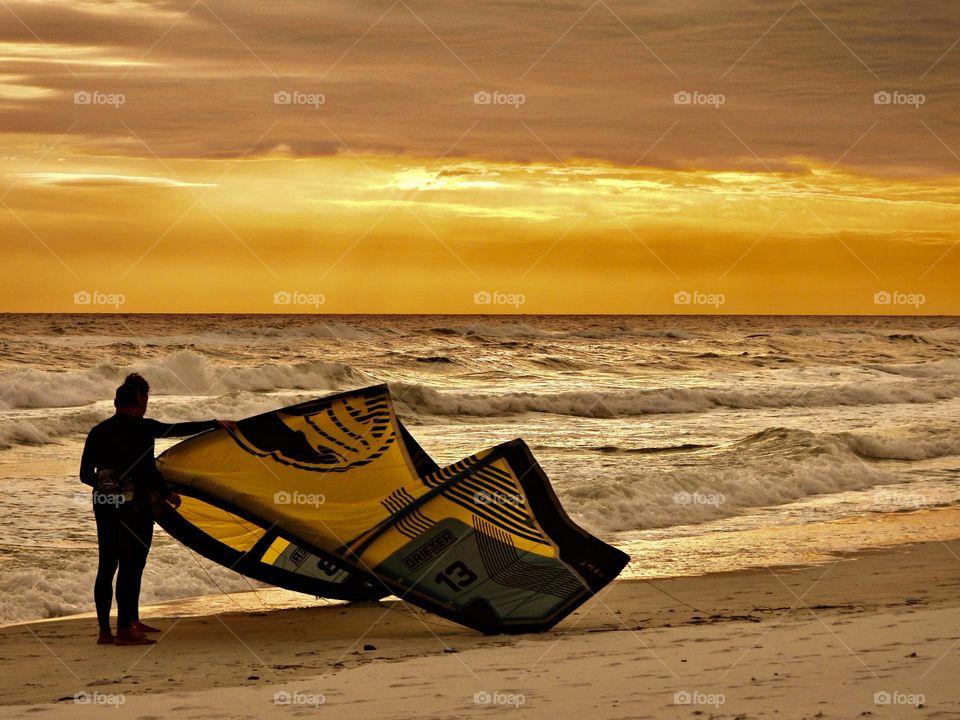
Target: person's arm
{"points": [[157, 484], [161, 429], [147, 465], [88, 464], [159, 488]]}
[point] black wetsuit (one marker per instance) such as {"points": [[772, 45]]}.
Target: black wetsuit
{"points": [[118, 462]]}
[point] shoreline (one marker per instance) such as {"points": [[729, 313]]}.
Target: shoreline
{"points": [[929, 525], [844, 629]]}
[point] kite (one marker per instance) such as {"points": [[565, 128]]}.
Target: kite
{"points": [[334, 497]]}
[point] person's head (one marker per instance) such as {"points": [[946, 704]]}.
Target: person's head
{"points": [[127, 400], [140, 384]]}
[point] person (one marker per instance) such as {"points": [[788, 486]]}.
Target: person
{"points": [[119, 465]]}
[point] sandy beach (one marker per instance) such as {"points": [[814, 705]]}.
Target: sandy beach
{"points": [[872, 634], [338, 334]]}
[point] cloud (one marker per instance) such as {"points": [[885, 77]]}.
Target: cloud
{"points": [[12, 87], [103, 180], [200, 80], [65, 54], [112, 9]]}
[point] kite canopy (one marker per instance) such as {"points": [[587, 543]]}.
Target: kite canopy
{"points": [[334, 497], [248, 544]]}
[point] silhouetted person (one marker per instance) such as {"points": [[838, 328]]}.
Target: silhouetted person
{"points": [[118, 463]]}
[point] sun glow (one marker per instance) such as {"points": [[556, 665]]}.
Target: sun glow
{"points": [[425, 236]]}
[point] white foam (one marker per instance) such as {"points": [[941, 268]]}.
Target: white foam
{"points": [[903, 447], [184, 372], [768, 468], [38, 429], [945, 369], [523, 330], [622, 403], [635, 500], [325, 330], [64, 586]]}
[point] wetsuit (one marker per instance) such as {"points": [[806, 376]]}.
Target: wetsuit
{"points": [[118, 462]]}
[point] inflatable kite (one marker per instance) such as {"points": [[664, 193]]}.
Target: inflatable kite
{"points": [[334, 497]]}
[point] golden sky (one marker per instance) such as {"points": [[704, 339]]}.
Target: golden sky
{"points": [[210, 156]]}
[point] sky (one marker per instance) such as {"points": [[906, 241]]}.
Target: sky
{"points": [[510, 157]]}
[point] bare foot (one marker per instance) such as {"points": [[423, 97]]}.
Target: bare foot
{"points": [[106, 638]]}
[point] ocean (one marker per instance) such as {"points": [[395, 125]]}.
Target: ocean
{"points": [[696, 444]]}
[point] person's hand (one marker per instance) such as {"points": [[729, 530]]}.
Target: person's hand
{"points": [[227, 424], [174, 500]]}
